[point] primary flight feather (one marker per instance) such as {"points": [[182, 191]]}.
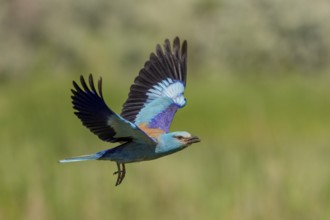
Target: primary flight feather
{"points": [[143, 126]]}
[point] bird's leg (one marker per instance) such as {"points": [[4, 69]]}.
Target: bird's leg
{"points": [[120, 172]]}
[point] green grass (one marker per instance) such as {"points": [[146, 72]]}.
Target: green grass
{"points": [[264, 153]]}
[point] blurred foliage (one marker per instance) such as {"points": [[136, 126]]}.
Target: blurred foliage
{"points": [[258, 96], [264, 154], [236, 36]]}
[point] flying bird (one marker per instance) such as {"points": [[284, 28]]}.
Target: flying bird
{"points": [[142, 128]]}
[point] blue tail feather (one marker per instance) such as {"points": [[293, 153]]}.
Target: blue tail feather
{"points": [[81, 158]]}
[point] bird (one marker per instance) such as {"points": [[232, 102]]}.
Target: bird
{"points": [[142, 128]]}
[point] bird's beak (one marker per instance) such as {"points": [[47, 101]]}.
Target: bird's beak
{"points": [[193, 139]]}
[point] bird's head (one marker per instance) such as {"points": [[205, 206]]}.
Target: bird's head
{"points": [[184, 138], [175, 141]]}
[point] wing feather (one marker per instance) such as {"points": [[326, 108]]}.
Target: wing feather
{"points": [[91, 109], [158, 90]]}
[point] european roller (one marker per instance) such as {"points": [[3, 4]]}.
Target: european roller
{"points": [[142, 128]]}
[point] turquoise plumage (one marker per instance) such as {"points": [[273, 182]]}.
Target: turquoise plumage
{"points": [[143, 126]]}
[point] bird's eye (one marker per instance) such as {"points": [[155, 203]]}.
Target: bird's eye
{"points": [[179, 137]]}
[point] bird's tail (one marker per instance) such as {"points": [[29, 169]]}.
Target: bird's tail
{"points": [[81, 158]]}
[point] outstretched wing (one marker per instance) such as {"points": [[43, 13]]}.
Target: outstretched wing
{"points": [[100, 119], [157, 92]]}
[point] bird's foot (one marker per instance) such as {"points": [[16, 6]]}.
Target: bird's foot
{"points": [[121, 172]]}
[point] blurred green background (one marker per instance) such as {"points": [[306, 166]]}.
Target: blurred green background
{"points": [[258, 96]]}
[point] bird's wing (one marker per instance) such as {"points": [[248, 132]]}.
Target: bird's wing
{"points": [[100, 119], [157, 92]]}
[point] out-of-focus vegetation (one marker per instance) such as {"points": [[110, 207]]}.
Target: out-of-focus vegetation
{"points": [[258, 96], [102, 36]]}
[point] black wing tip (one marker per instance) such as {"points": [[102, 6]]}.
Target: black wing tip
{"points": [[84, 88], [176, 44], [99, 84], [184, 48]]}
